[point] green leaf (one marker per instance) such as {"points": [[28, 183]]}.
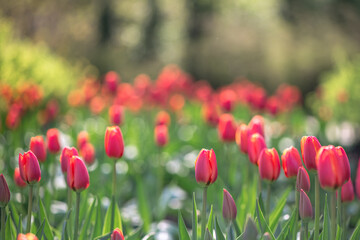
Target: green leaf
{"points": [[84, 231], [218, 232], [230, 234], [135, 235], [194, 220], [40, 231], [338, 232], [98, 220], [15, 217], [250, 230], [10, 229], [289, 225], [47, 228], [207, 235], [276, 214], [143, 204], [237, 228], [183, 233], [210, 220], [65, 235], [262, 222], [356, 233], [117, 218], [104, 236], [326, 223]]}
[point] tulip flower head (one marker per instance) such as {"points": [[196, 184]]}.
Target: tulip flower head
{"points": [[357, 181], [66, 154], [162, 118], [305, 207], [114, 142], [88, 153], [291, 162], [4, 192], [116, 114], [77, 175], [117, 235], [37, 146], [309, 148], [256, 125], [226, 128], [227, 100], [17, 178], [269, 164], [29, 168], [302, 180], [82, 139], [28, 236], [347, 192], [52, 138], [256, 143], [241, 137], [229, 206], [161, 135], [206, 167], [210, 113]]}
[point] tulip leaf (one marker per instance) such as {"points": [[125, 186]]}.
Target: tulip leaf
{"points": [[9, 234], [276, 214], [40, 231], [210, 220], [237, 228], [104, 236], [143, 204], [326, 223], [194, 219], [230, 234], [207, 235], [47, 228], [97, 229], [250, 230], [15, 217], [356, 233], [85, 229], [183, 233], [117, 218], [218, 232], [338, 232], [135, 235], [262, 222], [285, 230], [65, 235]]}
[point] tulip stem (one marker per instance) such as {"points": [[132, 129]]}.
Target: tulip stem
{"points": [[77, 215], [3, 213], [317, 208], [339, 206], [268, 202], [113, 198], [29, 208], [69, 198], [297, 199], [333, 215], [304, 230], [259, 184], [203, 213]]}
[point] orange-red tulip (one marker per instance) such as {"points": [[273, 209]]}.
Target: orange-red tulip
{"points": [[229, 210], [206, 171], [256, 125], [114, 142], [226, 128], [347, 192], [88, 153], [52, 138], [291, 162], [28, 236], [37, 146], [241, 137], [116, 114], [256, 144], [66, 154], [162, 118], [302, 180], [77, 174], [161, 135], [17, 178], [117, 235], [82, 139], [305, 207], [269, 164], [210, 113], [29, 168], [4, 192], [309, 147]]}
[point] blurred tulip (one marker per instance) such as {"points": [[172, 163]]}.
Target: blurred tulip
{"points": [[226, 128], [347, 192], [97, 105], [82, 139], [177, 102], [13, 116], [305, 207], [77, 174], [162, 118], [291, 162], [333, 167], [52, 138], [88, 153], [229, 207], [206, 167], [210, 113], [17, 178], [309, 147], [227, 99], [66, 154], [269, 164], [256, 144], [4, 192], [161, 135], [302, 180], [111, 81], [117, 235], [357, 181], [28, 236], [37, 146], [116, 114], [114, 142], [256, 125], [29, 167], [241, 137]]}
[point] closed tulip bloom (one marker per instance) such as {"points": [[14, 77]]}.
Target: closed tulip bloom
{"points": [[227, 100], [17, 178], [210, 113], [161, 135], [28, 236], [77, 175], [29, 167], [256, 125], [206, 167], [302, 180], [82, 139], [347, 192], [357, 181], [291, 162], [37, 146], [117, 235], [114, 142], [305, 207], [241, 137], [229, 206], [256, 144], [309, 148], [333, 167], [66, 154], [4, 192], [269, 164], [162, 118], [226, 128], [88, 153], [116, 114], [52, 138]]}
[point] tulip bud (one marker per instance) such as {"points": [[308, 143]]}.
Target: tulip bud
{"points": [[116, 114], [77, 174], [88, 153], [52, 137], [302, 180], [241, 137], [28, 236], [357, 181], [291, 162], [229, 206], [82, 139], [29, 168], [305, 207], [206, 167], [269, 164], [4, 192], [309, 148], [256, 144], [162, 118], [256, 125], [226, 128], [65, 156], [114, 142], [37, 146], [117, 235], [347, 192], [17, 178], [161, 135]]}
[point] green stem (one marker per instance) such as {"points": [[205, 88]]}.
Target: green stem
{"points": [[29, 208], [317, 208], [343, 221], [333, 216], [295, 227], [69, 198], [268, 202], [339, 206], [304, 230], [77, 216], [3, 213], [259, 187], [203, 213], [113, 198]]}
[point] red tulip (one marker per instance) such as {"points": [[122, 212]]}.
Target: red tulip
{"points": [[161, 135], [226, 128], [52, 138], [206, 167], [333, 167], [17, 178], [4, 192], [256, 144], [210, 113], [302, 180], [37, 146], [65, 156], [241, 137], [305, 207], [357, 181], [162, 118], [28, 236], [347, 192], [229, 206], [256, 125], [82, 139], [291, 162], [114, 142], [117, 235], [77, 174], [309, 148], [111, 81], [116, 114], [88, 153], [227, 99], [29, 167], [269, 164]]}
